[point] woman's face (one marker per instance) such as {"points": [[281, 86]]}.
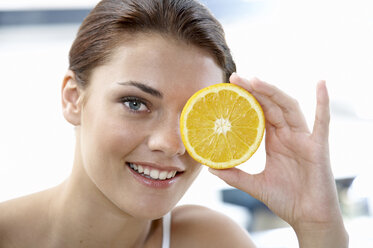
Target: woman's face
{"points": [[130, 123]]}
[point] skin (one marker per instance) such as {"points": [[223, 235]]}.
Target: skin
{"points": [[101, 204], [297, 183]]}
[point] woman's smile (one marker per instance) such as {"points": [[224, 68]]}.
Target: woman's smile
{"points": [[153, 175]]}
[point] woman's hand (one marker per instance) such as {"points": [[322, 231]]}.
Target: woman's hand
{"points": [[297, 183]]}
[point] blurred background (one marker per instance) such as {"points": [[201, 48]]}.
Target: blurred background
{"points": [[289, 43]]}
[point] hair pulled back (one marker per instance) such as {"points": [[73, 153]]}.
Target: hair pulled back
{"points": [[108, 24]]}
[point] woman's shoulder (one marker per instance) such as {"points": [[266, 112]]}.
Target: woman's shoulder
{"points": [[22, 208], [21, 216], [198, 226]]}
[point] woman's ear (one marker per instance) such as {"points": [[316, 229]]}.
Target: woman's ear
{"points": [[71, 99]]}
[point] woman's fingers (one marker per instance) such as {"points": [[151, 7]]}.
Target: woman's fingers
{"points": [[273, 113], [289, 106], [280, 109], [322, 119], [243, 82]]}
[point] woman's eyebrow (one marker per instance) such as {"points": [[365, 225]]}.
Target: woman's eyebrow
{"points": [[143, 87]]}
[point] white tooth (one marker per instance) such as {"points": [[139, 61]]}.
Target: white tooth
{"points": [[140, 169], [163, 175], [135, 166], [170, 174], [131, 165], [174, 173], [146, 171], [154, 174]]}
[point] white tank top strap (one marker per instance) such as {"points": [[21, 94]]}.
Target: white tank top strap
{"points": [[166, 220]]}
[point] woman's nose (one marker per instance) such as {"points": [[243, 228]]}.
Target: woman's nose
{"points": [[166, 138]]}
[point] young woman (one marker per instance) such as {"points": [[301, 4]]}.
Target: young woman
{"points": [[133, 66]]}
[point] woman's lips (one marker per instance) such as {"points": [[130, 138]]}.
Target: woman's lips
{"points": [[153, 173], [153, 177]]}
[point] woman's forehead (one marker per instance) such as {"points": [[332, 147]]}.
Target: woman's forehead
{"points": [[160, 62]]}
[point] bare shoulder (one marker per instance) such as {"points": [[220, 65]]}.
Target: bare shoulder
{"points": [[10, 218], [197, 226], [20, 219]]}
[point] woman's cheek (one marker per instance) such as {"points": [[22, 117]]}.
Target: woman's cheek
{"points": [[125, 138]]}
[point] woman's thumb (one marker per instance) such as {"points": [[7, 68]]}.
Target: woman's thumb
{"points": [[240, 180]]}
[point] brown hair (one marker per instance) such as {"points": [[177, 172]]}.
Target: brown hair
{"points": [[111, 20]]}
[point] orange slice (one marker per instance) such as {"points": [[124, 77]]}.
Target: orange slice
{"points": [[222, 126]]}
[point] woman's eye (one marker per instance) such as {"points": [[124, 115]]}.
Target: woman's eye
{"points": [[135, 105]]}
